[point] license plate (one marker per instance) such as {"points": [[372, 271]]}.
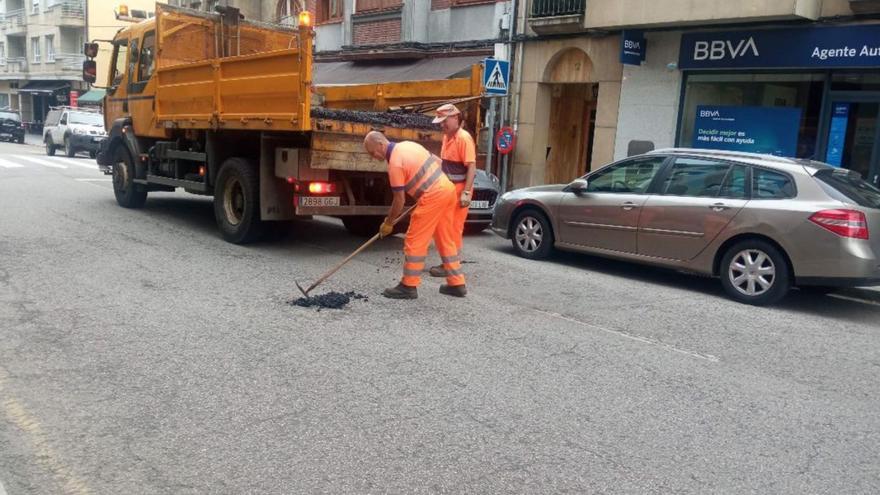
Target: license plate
{"points": [[480, 205], [319, 201]]}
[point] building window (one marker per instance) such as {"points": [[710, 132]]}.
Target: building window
{"points": [[375, 5], [35, 49], [329, 10], [50, 48], [286, 11], [35, 7], [2, 53], [4, 100], [764, 93]]}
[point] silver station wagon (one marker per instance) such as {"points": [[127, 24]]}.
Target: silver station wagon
{"points": [[760, 223]]}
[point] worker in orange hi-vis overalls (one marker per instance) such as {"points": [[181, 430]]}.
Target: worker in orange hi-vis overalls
{"points": [[459, 155], [414, 171]]}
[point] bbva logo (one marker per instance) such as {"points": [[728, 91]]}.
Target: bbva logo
{"points": [[710, 113], [720, 50]]}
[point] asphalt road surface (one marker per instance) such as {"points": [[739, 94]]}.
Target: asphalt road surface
{"points": [[140, 353]]}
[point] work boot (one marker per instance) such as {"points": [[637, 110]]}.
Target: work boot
{"points": [[401, 292], [453, 290], [438, 271]]}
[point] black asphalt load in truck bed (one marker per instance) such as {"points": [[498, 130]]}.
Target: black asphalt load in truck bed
{"points": [[399, 120]]}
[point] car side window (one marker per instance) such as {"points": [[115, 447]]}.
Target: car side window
{"points": [[696, 178], [64, 119], [631, 176], [146, 62], [735, 183], [767, 184]]}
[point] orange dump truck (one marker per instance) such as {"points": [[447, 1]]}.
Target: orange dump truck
{"points": [[217, 105]]}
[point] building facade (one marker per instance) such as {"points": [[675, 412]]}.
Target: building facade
{"points": [[40, 54], [796, 78]]}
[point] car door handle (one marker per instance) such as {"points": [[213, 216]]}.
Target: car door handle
{"points": [[719, 207], [629, 206]]}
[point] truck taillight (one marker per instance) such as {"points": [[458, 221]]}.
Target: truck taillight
{"points": [[321, 188], [845, 223]]}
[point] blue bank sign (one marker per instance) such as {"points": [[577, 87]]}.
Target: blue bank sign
{"points": [[770, 130], [792, 48]]}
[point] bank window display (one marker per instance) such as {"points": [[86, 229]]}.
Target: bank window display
{"points": [[760, 113]]}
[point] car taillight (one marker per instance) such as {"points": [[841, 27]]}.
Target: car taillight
{"points": [[845, 223]]}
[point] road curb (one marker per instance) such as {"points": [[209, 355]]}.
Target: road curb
{"points": [[861, 293]]}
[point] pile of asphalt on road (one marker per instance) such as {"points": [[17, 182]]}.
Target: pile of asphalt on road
{"points": [[399, 120], [330, 300]]}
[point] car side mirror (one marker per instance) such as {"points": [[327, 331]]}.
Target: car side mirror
{"points": [[578, 186]]}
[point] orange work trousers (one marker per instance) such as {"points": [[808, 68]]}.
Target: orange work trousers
{"points": [[433, 218], [459, 218]]}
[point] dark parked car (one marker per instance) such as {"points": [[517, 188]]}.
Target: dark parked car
{"points": [[760, 223], [11, 128]]}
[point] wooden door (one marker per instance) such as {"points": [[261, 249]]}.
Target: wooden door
{"points": [[566, 154]]}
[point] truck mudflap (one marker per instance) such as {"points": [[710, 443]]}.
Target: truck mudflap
{"points": [[103, 157]]}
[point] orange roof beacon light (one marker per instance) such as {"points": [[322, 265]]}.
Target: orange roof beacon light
{"points": [[305, 18], [123, 11]]}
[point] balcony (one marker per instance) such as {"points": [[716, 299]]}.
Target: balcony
{"points": [[13, 65], [66, 13], [69, 62], [622, 14], [13, 22], [557, 16]]}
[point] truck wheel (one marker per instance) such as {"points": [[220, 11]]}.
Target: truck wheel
{"points": [[128, 194], [237, 202], [68, 147], [50, 146]]}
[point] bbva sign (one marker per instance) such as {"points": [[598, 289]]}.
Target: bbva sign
{"points": [[725, 49]]}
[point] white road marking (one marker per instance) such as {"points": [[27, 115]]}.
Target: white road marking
{"points": [[89, 164], [38, 161], [2, 490], [8, 164], [637, 338]]}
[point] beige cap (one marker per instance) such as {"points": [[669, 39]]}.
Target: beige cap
{"points": [[446, 110]]}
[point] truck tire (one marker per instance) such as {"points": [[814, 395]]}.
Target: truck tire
{"points": [[50, 146], [128, 194], [68, 147], [237, 202]]}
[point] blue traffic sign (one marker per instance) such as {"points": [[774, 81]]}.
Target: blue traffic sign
{"points": [[496, 75]]}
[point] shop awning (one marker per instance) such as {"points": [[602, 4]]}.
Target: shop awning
{"points": [[47, 87], [382, 71], [92, 97]]}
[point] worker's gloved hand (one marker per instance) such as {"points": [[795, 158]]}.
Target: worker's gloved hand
{"points": [[386, 229], [465, 199]]}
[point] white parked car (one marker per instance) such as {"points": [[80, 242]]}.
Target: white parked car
{"points": [[73, 130]]}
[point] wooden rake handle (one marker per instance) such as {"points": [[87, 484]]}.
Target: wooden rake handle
{"points": [[357, 252]]}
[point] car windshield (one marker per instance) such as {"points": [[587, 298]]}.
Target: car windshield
{"points": [[10, 116], [86, 118], [848, 186]]}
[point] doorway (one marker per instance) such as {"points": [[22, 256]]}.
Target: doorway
{"points": [[853, 133], [570, 132]]}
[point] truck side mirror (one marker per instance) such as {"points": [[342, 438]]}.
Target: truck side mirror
{"points": [[90, 71], [90, 50]]}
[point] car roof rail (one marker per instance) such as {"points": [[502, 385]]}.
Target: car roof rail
{"points": [[725, 153], [75, 109]]}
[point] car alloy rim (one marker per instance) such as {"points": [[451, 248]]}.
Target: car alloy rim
{"points": [[233, 201], [752, 272], [529, 234]]}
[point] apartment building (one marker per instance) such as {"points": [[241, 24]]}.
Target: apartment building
{"points": [[40, 54], [605, 79]]}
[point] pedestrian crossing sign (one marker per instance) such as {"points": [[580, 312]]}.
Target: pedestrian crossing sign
{"points": [[496, 74]]}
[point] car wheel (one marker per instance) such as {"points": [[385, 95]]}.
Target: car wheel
{"points": [[50, 146], [532, 235], [68, 147], [128, 194], [755, 272], [237, 202]]}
